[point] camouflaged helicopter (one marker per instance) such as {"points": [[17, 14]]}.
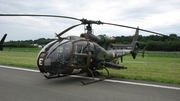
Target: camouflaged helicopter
{"points": [[86, 53]]}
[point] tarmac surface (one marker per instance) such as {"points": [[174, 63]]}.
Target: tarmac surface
{"points": [[17, 84]]}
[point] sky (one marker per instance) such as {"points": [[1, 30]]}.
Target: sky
{"points": [[162, 16]]}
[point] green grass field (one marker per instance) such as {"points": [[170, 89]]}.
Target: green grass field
{"points": [[155, 66], [24, 57]]}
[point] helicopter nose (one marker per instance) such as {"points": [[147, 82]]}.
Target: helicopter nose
{"points": [[40, 62], [55, 67], [44, 64]]}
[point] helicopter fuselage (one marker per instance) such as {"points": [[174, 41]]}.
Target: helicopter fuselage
{"points": [[71, 55], [74, 55]]}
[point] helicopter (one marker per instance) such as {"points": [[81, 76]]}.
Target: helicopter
{"points": [[87, 53], [2, 41]]}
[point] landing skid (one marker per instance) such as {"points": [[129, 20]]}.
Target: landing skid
{"points": [[109, 76], [96, 80], [93, 73]]}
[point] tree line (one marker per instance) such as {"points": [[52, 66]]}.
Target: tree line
{"points": [[28, 43], [154, 42], [151, 43]]}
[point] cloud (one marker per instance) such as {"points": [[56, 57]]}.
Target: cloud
{"points": [[156, 15]]}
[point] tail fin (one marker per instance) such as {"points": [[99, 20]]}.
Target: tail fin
{"points": [[135, 45], [2, 41]]}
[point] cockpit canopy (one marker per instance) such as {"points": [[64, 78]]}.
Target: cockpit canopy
{"points": [[63, 56], [58, 55], [60, 51]]}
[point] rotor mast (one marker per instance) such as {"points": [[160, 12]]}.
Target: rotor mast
{"points": [[89, 29]]}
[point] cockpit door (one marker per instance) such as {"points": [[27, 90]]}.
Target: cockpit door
{"points": [[80, 58]]}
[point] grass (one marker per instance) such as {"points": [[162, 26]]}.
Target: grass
{"points": [[23, 57], [155, 66]]}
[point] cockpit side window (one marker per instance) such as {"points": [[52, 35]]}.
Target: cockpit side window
{"points": [[78, 49], [81, 48]]}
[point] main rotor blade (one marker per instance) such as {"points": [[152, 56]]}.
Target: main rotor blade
{"points": [[41, 16], [132, 28], [85, 21], [67, 30], [139, 29]]}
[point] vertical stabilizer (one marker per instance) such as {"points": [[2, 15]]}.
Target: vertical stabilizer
{"points": [[135, 44], [2, 41]]}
